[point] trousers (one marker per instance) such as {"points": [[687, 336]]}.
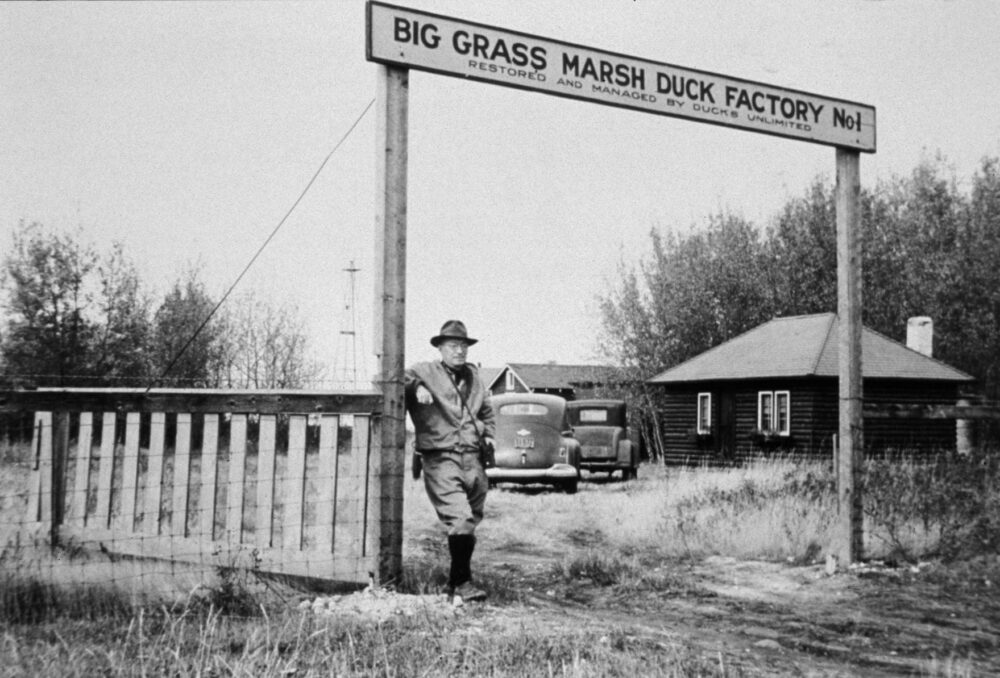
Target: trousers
{"points": [[456, 485]]}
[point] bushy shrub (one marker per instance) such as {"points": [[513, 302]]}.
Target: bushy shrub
{"points": [[953, 498]]}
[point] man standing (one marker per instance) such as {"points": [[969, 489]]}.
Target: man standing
{"points": [[451, 412]]}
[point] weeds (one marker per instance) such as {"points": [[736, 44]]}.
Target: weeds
{"points": [[947, 506], [620, 544]]}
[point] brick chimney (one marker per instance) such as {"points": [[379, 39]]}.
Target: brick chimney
{"points": [[920, 335]]}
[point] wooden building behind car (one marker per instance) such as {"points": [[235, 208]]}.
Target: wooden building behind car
{"points": [[774, 389]]}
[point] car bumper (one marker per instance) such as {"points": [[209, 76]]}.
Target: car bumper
{"points": [[552, 474], [602, 465]]}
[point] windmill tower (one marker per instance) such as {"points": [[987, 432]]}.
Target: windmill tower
{"points": [[346, 370]]}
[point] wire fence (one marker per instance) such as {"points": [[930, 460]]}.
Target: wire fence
{"points": [[161, 500]]}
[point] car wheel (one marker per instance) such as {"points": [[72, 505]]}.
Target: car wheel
{"points": [[570, 486], [630, 473]]}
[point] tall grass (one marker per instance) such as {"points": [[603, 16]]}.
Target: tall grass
{"points": [[77, 613]]}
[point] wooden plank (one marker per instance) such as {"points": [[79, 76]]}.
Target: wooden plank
{"points": [[130, 473], [264, 525], [851, 424], [182, 476], [372, 516], [154, 474], [348, 529], [237, 477], [295, 482], [191, 400], [60, 453], [373, 503], [390, 312], [311, 563], [105, 470], [326, 482], [39, 508], [353, 495], [905, 411], [77, 514], [209, 470]]}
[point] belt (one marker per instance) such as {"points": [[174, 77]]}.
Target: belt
{"points": [[460, 450]]}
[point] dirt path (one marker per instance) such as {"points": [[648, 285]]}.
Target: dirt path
{"points": [[762, 618], [783, 620]]}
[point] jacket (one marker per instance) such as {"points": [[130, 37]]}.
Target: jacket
{"points": [[445, 424]]}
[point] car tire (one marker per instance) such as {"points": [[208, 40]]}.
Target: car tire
{"points": [[570, 486], [630, 473]]}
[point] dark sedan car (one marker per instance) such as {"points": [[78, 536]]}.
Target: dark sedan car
{"points": [[601, 426], [534, 443]]}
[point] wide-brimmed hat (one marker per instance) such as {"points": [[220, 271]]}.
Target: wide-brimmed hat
{"points": [[453, 329]]}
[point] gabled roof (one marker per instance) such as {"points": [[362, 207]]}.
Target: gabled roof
{"points": [[555, 376], [805, 346], [489, 374]]}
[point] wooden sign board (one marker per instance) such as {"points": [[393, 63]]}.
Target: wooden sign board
{"points": [[409, 38]]}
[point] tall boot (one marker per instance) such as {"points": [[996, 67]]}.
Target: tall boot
{"points": [[465, 544], [456, 574]]}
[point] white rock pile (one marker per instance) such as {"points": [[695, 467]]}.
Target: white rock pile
{"points": [[378, 605]]}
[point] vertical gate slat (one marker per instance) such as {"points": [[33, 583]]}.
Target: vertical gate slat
{"points": [[40, 483], [326, 482], [130, 472], [374, 506], [370, 503], [84, 450], [182, 476], [294, 483], [265, 480], [209, 467], [237, 475], [349, 526], [154, 474], [102, 512]]}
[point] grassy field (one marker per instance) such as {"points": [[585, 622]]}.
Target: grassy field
{"points": [[682, 572]]}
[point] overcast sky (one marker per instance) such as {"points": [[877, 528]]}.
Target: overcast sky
{"points": [[187, 130]]}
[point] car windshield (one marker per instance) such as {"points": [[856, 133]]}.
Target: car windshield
{"points": [[593, 416], [524, 408]]}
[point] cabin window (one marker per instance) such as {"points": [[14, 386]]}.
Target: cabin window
{"points": [[782, 419], [510, 381], [704, 413], [774, 412]]}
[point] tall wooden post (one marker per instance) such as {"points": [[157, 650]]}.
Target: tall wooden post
{"points": [[390, 307], [851, 429]]}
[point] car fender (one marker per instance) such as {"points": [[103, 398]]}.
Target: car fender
{"points": [[625, 453]]}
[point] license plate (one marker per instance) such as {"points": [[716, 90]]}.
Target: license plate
{"points": [[524, 442]]}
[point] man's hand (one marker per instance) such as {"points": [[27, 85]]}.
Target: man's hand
{"points": [[424, 396], [490, 442]]}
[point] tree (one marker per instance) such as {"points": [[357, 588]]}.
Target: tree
{"points": [[187, 340], [265, 346], [801, 254], [48, 337], [927, 249], [692, 292], [122, 331], [971, 294]]}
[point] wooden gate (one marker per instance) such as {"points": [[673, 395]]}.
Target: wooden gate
{"points": [[280, 481]]}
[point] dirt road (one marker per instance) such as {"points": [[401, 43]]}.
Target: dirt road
{"points": [[758, 617]]}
